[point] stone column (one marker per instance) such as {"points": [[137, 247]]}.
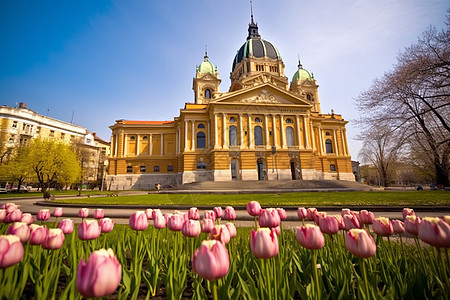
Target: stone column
{"points": [[162, 144], [241, 131], [224, 131], [283, 132], [116, 144], [344, 141], [125, 145], [177, 142], [266, 130], [150, 144], [185, 135], [274, 125], [335, 142], [250, 142], [192, 135], [320, 140], [216, 138], [208, 141], [299, 136], [137, 144], [306, 133], [313, 138]]}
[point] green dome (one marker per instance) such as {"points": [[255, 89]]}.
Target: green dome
{"points": [[206, 66], [301, 74]]}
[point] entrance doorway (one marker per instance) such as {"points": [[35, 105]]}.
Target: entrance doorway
{"points": [[260, 165], [293, 172], [234, 166]]}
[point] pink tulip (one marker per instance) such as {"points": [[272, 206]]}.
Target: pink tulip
{"points": [[220, 233], [412, 224], [229, 213], [193, 213], [66, 225], [329, 225], [346, 211], [350, 221], [398, 226], [211, 260], [185, 217], [43, 215], [319, 215], [382, 226], [175, 222], [209, 214], [156, 212], [207, 225], [282, 213], [100, 276], [277, 230], [253, 208], [21, 230], [310, 237], [366, 217], [269, 217], [231, 229], [88, 230], [58, 212], [264, 243], [191, 228], [302, 213], [11, 250], [408, 212], [99, 214], [340, 222], [138, 221], [27, 218], [219, 212], [38, 234], [159, 222], [55, 239], [359, 243], [10, 207], [311, 213], [149, 213], [106, 225], [435, 232], [14, 216], [2, 214], [83, 213]]}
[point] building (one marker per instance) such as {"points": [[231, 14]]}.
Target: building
{"points": [[263, 128], [18, 125]]}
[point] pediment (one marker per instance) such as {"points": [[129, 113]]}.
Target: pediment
{"points": [[207, 76]]}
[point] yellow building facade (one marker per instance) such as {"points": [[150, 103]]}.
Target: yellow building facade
{"points": [[263, 128]]}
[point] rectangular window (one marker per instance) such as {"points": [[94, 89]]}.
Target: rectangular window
{"points": [[129, 169], [14, 124], [52, 133], [201, 166], [156, 169], [333, 168], [63, 135], [170, 168], [143, 169]]}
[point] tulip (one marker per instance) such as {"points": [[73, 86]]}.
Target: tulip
{"points": [[58, 212], [340, 222], [211, 260], [100, 276], [83, 213], [27, 218], [329, 225], [282, 213], [398, 226], [106, 225], [55, 239], [253, 208], [99, 214], [408, 212], [156, 212], [447, 219], [264, 243], [10, 207], [359, 243], [13, 216], [2, 214], [231, 229], [207, 225], [66, 225], [229, 213], [350, 221], [21, 230], [310, 237], [220, 233], [175, 222], [277, 230], [89, 230], [219, 212], [138, 221], [43, 215], [191, 228], [269, 217], [193, 213], [412, 224], [149, 213], [319, 215], [382, 226], [435, 232], [38, 234], [302, 213], [366, 217], [209, 214], [11, 250], [311, 213], [159, 221], [346, 211]]}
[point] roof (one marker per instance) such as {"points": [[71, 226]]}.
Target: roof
{"points": [[134, 122]]}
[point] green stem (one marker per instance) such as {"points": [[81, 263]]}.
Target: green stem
{"points": [[364, 273], [315, 274], [214, 283]]}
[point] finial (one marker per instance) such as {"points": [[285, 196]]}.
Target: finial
{"points": [[206, 53], [251, 9], [299, 63]]}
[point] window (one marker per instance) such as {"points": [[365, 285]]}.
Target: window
{"points": [[52, 133], [258, 136], [232, 120], [257, 120], [333, 168], [290, 136], [260, 68], [145, 138], [288, 121], [14, 124], [208, 94], [308, 96], [129, 169], [201, 165], [142, 168], [233, 136], [63, 135], [328, 146], [11, 139], [156, 169], [201, 140], [169, 168], [132, 138], [201, 125], [327, 133]]}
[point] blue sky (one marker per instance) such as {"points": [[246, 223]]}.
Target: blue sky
{"points": [[101, 61]]}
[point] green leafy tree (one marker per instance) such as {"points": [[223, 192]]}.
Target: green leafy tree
{"points": [[16, 169]]}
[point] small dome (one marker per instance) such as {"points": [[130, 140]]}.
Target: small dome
{"points": [[256, 47], [301, 74], [206, 66]]}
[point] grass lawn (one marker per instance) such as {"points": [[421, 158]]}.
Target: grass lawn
{"points": [[385, 198]]}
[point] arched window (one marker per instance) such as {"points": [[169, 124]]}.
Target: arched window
{"points": [[288, 121], [258, 136], [290, 136], [201, 125], [208, 94], [257, 120], [233, 136], [201, 140], [232, 120], [328, 146]]}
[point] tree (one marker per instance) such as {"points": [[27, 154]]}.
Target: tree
{"points": [[414, 101], [52, 162], [16, 168]]}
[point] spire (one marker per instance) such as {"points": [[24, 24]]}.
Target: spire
{"points": [[300, 66], [206, 53], [252, 27]]}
